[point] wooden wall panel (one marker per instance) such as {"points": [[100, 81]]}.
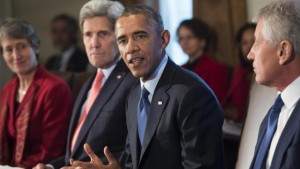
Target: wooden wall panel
{"points": [[225, 16]]}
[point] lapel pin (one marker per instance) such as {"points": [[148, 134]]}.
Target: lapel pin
{"points": [[159, 103], [119, 77]]}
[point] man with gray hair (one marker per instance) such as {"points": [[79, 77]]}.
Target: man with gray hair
{"points": [[276, 63], [98, 116]]}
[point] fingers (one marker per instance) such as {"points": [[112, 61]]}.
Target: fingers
{"points": [[110, 157], [85, 165], [95, 161], [39, 166], [71, 161], [70, 167], [94, 158]]}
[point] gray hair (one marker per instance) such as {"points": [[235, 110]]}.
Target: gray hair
{"points": [[111, 9], [147, 11], [18, 29], [281, 21]]}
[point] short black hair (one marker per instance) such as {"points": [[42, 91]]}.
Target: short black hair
{"points": [[201, 30], [239, 36], [72, 22]]}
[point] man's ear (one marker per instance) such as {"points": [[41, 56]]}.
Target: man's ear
{"points": [[285, 52], [165, 35]]}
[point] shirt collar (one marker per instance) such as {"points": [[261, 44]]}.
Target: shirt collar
{"points": [[150, 84], [290, 95], [107, 71]]}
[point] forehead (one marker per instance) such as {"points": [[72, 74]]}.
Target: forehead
{"points": [[60, 22], [185, 30], [259, 27], [97, 22], [132, 23], [12, 41], [248, 33]]}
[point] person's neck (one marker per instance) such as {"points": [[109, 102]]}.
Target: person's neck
{"points": [[196, 56], [25, 80]]}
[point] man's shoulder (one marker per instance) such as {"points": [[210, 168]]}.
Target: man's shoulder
{"points": [[185, 77]]}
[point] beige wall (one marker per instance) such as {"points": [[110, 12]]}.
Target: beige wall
{"points": [[253, 7], [39, 13], [5, 11]]}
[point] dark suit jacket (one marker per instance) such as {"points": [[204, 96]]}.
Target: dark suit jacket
{"points": [[105, 124], [185, 131], [287, 153], [78, 62]]}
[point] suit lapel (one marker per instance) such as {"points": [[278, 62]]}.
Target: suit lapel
{"points": [[157, 108], [158, 104], [286, 137], [76, 113], [131, 120], [103, 97], [261, 133]]}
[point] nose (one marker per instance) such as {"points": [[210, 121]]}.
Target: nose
{"points": [[131, 47], [250, 55], [16, 54], [95, 41]]}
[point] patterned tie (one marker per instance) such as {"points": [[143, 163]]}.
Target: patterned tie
{"points": [[260, 161], [93, 94], [142, 113]]}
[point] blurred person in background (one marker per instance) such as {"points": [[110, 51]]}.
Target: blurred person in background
{"points": [[70, 57], [35, 106], [197, 40], [236, 99]]}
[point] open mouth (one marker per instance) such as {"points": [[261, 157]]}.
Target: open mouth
{"points": [[136, 60]]}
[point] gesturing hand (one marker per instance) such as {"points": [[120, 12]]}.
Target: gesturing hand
{"points": [[95, 162]]}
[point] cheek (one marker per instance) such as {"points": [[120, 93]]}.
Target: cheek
{"points": [[7, 59], [86, 44], [183, 44], [122, 49], [245, 49]]}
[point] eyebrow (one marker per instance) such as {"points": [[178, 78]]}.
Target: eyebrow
{"points": [[140, 32], [134, 33], [121, 37]]}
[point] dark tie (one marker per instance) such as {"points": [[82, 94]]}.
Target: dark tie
{"points": [[260, 160], [142, 113]]}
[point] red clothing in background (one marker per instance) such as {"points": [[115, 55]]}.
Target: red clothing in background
{"points": [[46, 108], [213, 73], [238, 93]]}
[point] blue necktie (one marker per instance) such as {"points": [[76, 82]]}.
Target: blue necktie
{"points": [[142, 113], [260, 161]]}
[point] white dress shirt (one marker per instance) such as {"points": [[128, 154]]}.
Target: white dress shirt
{"points": [[290, 96], [65, 57], [151, 83]]}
